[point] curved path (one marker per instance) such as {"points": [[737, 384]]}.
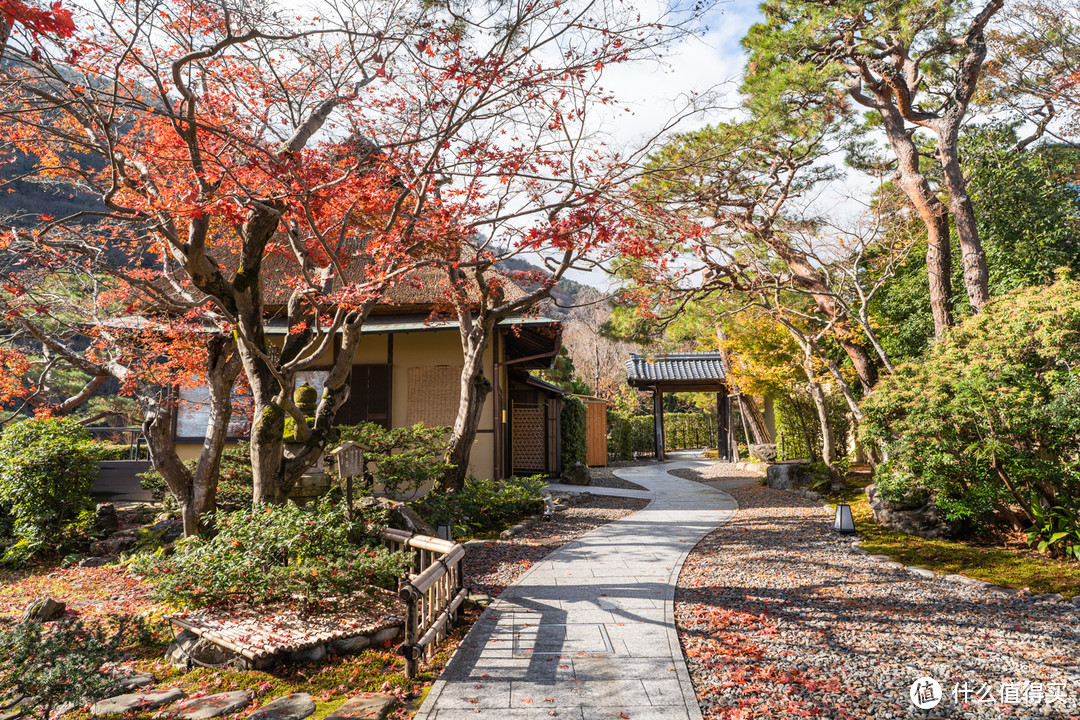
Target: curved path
{"points": [[589, 632]]}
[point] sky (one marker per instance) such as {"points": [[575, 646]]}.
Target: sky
{"points": [[652, 93], [714, 61]]}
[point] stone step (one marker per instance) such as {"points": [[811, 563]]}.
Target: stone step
{"points": [[364, 707], [212, 706], [136, 701], [290, 707]]}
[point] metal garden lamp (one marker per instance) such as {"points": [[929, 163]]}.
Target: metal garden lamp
{"points": [[844, 522]]}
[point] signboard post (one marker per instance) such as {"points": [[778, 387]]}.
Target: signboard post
{"points": [[349, 461]]}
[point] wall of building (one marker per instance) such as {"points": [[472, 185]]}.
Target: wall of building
{"points": [[424, 353]]}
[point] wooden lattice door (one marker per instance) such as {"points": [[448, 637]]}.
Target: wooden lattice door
{"points": [[529, 442]]}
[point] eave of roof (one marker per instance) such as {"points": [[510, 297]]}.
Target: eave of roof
{"points": [[688, 372]]}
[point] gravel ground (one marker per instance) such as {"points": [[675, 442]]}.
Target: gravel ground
{"points": [[720, 475], [605, 477], [779, 618], [494, 564]]}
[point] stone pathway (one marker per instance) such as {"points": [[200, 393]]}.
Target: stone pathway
{"points": [[589, 633]]}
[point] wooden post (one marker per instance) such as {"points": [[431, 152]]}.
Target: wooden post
{"points": [[658, 422], [723, 426]]}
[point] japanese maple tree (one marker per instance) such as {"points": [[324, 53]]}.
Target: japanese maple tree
{"points": [[292, 167]]}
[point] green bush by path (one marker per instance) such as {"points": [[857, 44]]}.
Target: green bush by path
{"points": [[47, 469], [275, 553], [986, 421], [483, 506], [574, 418]]}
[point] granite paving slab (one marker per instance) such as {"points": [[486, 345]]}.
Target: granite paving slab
{"points": [[589, 632]]}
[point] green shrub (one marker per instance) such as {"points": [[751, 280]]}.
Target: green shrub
{"points": [[235, 480], [62, 662], [405, 459], [1056, 529], [484, 505], [47, 470], [987, 419], [630, 435], [313, 555], [111, 451], [574, 417]]}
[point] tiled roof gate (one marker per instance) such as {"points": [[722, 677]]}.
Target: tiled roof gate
{"points": [[675, 367], [683, 372]]}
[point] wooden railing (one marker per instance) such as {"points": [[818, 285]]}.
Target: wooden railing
{"points": [[432, 592]]}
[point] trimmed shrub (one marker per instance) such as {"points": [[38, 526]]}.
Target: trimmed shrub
{"points": [[405, 459], [573, 418], [47, 469], [313, 555], [631, 435], [484, 505]]}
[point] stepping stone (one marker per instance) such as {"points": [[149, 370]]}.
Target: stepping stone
{"points": [[1050, 597], [291, 707], [133, 682], [881, 558], [136, 701], [212, 706], [375, 707], [921, 572], [12, 708]]}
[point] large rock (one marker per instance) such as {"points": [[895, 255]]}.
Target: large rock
{"points": [[136, 701], [786, 475], [373, 707], [212, 706], [401, 516], [189, 648], [576, 473], [923, 519], [106, 520], [765, 452], [93, 562], [291, 707], [43, 610], [112, 546], [165, 531], [350, 645]]}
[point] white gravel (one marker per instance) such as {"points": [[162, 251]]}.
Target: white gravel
{"points": [[778, 617]]}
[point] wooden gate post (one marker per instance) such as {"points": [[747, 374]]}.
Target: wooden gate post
{"points": [[658, 422], [723, 426]]}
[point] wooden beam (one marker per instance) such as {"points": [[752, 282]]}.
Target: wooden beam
{"points": [[723, 426], [658, 422]]}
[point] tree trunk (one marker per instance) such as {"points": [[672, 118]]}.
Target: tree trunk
{"points": [[820, 402], [758, 427], [815, 283], [934, 215], [474, 390], [748, 406], [195, 492], [976, 277]]}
